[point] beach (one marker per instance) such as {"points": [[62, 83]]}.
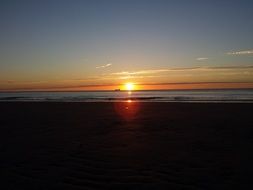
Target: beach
{"points": [[125, 145]]}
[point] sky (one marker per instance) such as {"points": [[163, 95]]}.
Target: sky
{"points": [[102, 44]]}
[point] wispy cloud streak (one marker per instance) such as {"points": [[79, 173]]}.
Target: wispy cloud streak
{"points": [[156, 71], [104, 66], [202, 58], [240, 52]]}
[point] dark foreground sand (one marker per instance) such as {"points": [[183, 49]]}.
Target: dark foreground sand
{"points": [[125, 146]]}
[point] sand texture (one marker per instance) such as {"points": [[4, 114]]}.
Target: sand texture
{"points": [[126, 145]]}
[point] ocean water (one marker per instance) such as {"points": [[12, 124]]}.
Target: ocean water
{"points": [[245, 95]]}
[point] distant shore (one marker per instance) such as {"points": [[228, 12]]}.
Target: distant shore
{"points": [[125, 145]]}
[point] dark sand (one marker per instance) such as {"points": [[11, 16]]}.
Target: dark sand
{"points": [[125, 145]]}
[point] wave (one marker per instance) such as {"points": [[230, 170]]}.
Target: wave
{"points": [[142, 99], [148, 96]]}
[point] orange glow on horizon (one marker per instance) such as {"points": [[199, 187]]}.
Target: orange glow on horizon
{"points": [[172, 86]]}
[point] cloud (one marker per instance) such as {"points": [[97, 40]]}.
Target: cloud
{"points": [[178, 69], [202, 58], [209, 82], [156, 71], [104, 66], [240, 52], [137, 77], [141, 72]]}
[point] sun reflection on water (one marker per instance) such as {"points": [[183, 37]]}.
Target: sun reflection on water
{"points": [[127, 110]]}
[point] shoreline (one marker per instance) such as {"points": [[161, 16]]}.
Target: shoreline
{"points": [[137, 101]]}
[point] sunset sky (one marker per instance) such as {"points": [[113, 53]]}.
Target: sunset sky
{"points": [[102, 44]]}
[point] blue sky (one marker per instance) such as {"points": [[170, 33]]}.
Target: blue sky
{"points": [[57, 41]]}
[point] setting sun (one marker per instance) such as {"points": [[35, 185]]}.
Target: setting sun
{"points": [[129, 86]]}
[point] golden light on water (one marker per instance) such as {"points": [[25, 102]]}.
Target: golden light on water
{"points": [[127, 110]]}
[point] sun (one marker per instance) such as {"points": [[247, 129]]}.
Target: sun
{"points": [[129, 86]]}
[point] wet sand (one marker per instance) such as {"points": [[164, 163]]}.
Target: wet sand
{"points": [[128, 145]]}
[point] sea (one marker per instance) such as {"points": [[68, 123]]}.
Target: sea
{"points": [[211, 95]]}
